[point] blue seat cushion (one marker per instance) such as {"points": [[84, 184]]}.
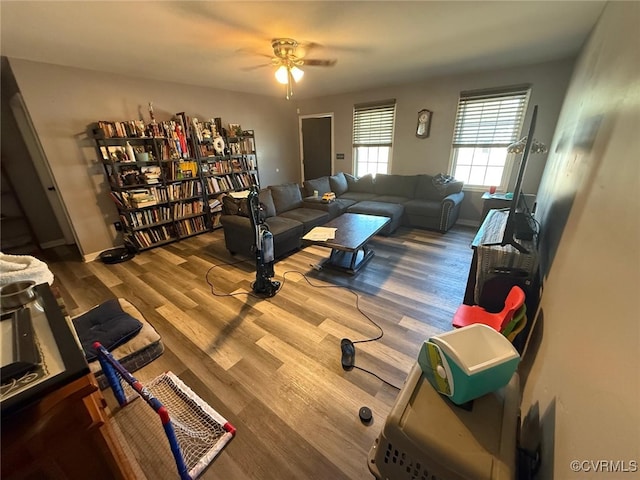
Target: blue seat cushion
{"points": [[108, 324]]}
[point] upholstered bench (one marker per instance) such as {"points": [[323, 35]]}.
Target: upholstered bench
{"points": [[118, 323]]}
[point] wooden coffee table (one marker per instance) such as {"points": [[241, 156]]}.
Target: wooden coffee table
{"points": [[349, 250]]}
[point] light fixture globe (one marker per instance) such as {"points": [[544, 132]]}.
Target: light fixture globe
{"points": [[297, 73], [282, 75]]}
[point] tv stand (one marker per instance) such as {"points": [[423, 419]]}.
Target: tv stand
{"points": [[496, 267]]}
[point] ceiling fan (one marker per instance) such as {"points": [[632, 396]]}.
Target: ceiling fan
{"points": [[288, 61]]}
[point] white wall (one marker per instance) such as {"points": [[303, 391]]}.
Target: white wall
{"points": [[412, 155], [62, 101], [584, 379]]}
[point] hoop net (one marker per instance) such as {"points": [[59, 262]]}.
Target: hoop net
{"points": [[196, 432], [201, 432]]}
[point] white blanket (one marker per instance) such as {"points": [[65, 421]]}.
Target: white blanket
{"points": [[17, 268]]}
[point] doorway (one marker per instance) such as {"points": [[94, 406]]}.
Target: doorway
{"points": [[316, 145]]}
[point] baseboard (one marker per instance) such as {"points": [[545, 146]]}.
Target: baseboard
{"points": [[468, 223], [53, 243]]}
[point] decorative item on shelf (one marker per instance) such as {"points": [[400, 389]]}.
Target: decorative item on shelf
{"points": [[235, 130], [518, 147], [131, 156], [140, 154], [424, 123], [218, 145]]}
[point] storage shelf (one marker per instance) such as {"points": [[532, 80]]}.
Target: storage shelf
{"points": [[242, 171]]}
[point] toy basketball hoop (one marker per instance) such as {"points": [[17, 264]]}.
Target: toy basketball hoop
{"points": [[195, 431]]}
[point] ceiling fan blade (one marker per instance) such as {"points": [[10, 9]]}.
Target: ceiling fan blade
{"points": [[248, 51], [315, 62], [255, 67]]}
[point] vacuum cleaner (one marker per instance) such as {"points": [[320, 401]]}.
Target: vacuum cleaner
{"points": [[265, 257]]}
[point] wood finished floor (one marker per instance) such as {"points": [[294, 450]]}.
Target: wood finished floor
{"points": [[272, 366]]}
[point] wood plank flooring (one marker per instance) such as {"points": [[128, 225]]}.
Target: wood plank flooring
{"points": [[272, 366]]}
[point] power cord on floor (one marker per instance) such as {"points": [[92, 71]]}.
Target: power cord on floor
{"points": [[351, 363]]}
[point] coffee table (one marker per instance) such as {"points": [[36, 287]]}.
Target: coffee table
{"points": [[349, 250]]}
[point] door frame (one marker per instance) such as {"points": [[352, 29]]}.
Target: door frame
{"points": [[43, 170], [301, 140]]}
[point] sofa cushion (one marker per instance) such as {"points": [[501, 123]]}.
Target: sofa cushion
{"points": [[309, 217], [425, 208], [393, 211], [265, 198], [284, 226], [430, 187], [357, 196], [320, 184], [391, 199], [338, 183], [395, 185], [286, 197], [108, 324], [363, 184]]}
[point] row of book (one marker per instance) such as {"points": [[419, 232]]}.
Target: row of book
{"points": [[190, 226], [225, 183], [153, 235], [242, 145], [184, 209], [152, 196], [146, 217], [182, 190]]}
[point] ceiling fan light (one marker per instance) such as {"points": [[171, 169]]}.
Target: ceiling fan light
{"points": [[282, 76], [297, 73]]}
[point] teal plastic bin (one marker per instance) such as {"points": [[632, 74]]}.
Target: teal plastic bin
{"points": [[469, 362]]}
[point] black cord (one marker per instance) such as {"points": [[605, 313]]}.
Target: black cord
{"points": [[213, 292], [284, 279], [373, 339], [378, 377]]}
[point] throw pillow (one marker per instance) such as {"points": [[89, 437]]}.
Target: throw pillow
{"points": [[266, 203], [286, 197], [108, 324], [320, 184], [363, 184], [338, 184]]}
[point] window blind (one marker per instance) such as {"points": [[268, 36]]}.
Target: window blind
{"points": [[373, 124], [490, 118]]}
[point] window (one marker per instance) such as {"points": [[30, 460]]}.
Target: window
{"points": [[373, 136], [487, 122]]}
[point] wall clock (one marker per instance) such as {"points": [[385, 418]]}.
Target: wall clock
{"points": [[424, 123]]}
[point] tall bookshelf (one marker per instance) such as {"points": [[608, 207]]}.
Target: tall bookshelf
{"points": [[169, 186], [226, 167]]}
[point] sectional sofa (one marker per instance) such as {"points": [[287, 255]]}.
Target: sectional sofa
{"points": [[424, 201]]}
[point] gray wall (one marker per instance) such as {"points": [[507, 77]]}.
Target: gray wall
{"points": [[584, 379], [412, 155], [62, 101]]}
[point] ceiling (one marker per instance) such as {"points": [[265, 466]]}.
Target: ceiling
{"points": [[215, 44]]}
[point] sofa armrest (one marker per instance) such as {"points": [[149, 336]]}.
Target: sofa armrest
{"points": [[450, 210], [454, 199]]}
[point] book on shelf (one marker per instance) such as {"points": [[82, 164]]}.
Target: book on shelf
{"points": [[140, 198], [151, 174]]}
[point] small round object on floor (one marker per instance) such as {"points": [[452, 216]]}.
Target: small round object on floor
{"points": [[116, 255], [365, 415]]}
